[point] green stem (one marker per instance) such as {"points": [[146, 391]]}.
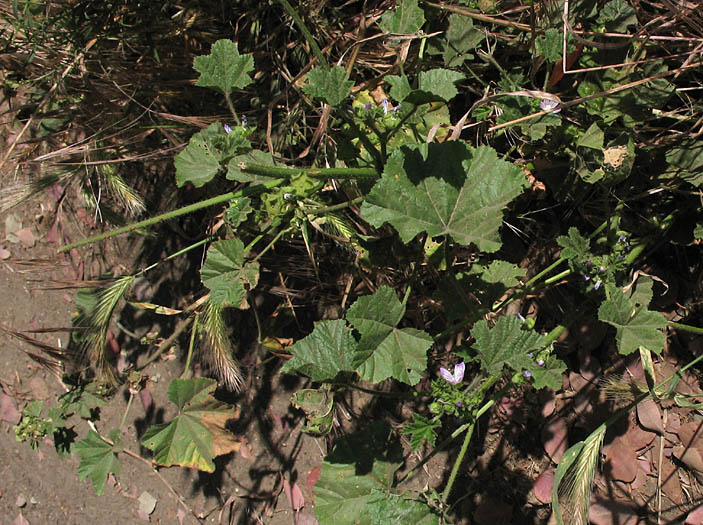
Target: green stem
{"points": [[126, 410], [281, 172], [175, 254], [270, 245], [336, 207], [306, 33], [231, 108], [191, 346], [457, 463], [686, 327], [251, 190]]}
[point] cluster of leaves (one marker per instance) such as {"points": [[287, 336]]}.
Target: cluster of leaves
{"points": [[434, 198]]}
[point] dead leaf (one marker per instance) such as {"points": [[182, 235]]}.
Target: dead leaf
{"points": [[621, 460], [20, 520], [549, 401], [671, 485], [491, 511], [4, 254], [147, 503], [8, 409], [695, 517], [305, 518], [294, 495], [39, 388], [542, 486], [555, 438], [312, 479], [650, 416], [146, 399], [612, 512], [26, 237], [223, 441], [691, 457], [691, 434]]}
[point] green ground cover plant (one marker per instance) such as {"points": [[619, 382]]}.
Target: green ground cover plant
{"points": [[498, 162]]}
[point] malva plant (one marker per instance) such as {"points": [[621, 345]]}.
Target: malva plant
{"points": [[403, 182]]}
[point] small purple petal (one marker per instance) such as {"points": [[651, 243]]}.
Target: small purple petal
{"points": [[228, 130], [597, 285], [589, 262], [447, 375], [526, 374], [459, 371], [547, 104], [458, 403], [384, 103], [540, 362], [586, 277], [602, 269], [244, 121]]}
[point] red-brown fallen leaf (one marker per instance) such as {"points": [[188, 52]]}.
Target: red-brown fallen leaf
{"points": [[26, 237], [671, 485], [542, 486], [691, 434], [549, 400], [294, 495], [650, 416], [305, 518], [312, 478], [691, 457], [612, 512], [641, 476], [555, 438], [621, 460], [491, 511], [8, 409], [4, 254], [146, 399], [695, 517], [637, 436], [20, 520]]}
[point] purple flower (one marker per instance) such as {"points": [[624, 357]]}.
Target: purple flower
{"points": [[597, 285], [547, 104], [244, 121], [367, 106], [384, 103], [228, 130], [526, 374], [540, 362], [589, 262], [586, 277], [458, 403], [458, 375], [602, 269]]}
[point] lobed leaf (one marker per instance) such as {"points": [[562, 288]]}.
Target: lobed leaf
{"points": [[405, 19], [329, 84], [227, 275], [506, 344], [445, 189], [224, 68], [98, 460], [635, 325]]}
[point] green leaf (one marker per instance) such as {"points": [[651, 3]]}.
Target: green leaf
{"points": [[199, 162], [238, 211], [592, 138], [635, 325], [445, 189], [440, 83], [97, 461], [400, 87], [405, 19], [224, 68], [503, 272], [617, 15], [642, 292], [328, 351], [258, 157], [198, 434], [359, 465], [574, 247], [549, 374], [461, 37], [329, 84], [421, 429], [227, 275], [506, 344], [549, 45], [206, 153], [400, 353]]}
